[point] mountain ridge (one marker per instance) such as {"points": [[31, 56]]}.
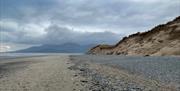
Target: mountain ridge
{"points": [[57, 48]]}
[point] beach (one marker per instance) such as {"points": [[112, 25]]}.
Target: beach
{"points": [[89, 73], [46, 73]]}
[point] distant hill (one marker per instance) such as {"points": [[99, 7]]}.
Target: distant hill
{"points": [[160, 41], [63, 48]]}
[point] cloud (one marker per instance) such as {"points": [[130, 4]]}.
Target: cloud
{"points": [[4, 48], [12, 31], [54, 34], [57, 35], [131, 15], [8, 26], [59, 21], [149, 1]]}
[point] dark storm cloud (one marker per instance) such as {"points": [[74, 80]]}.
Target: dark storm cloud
{"points": [[57, 35]]}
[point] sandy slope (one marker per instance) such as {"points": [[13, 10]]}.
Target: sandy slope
{"points": [[162, 40], [48, 73]]}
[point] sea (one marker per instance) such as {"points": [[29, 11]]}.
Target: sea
{"points": [[19, 55]]}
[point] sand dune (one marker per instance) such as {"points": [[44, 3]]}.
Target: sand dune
{"points": [[162, 40]]}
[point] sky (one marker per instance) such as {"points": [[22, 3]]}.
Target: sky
{"points": [[26, 23]]}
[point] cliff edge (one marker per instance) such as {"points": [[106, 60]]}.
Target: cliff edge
{"points": [[162, 40]]}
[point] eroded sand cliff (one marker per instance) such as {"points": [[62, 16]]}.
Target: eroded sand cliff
{"points": [[162, 40]]}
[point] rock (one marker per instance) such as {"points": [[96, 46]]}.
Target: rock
{"points": [[146, 55], [84, 81]]}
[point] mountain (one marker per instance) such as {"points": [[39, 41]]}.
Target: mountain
{"points": [[162, 40], [63, 48]]}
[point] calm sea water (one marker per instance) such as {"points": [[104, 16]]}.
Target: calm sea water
{"points": [[17, 55]]}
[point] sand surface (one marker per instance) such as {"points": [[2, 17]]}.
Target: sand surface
{"points": [[48, 73], [89, 73]]}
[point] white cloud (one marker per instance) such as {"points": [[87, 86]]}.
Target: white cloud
{"points": [[8, 25], [24, 33], [4, 48], [34, 30]]}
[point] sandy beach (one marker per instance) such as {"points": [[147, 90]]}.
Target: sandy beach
{"points": [[86, 73], [47, 73]]}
